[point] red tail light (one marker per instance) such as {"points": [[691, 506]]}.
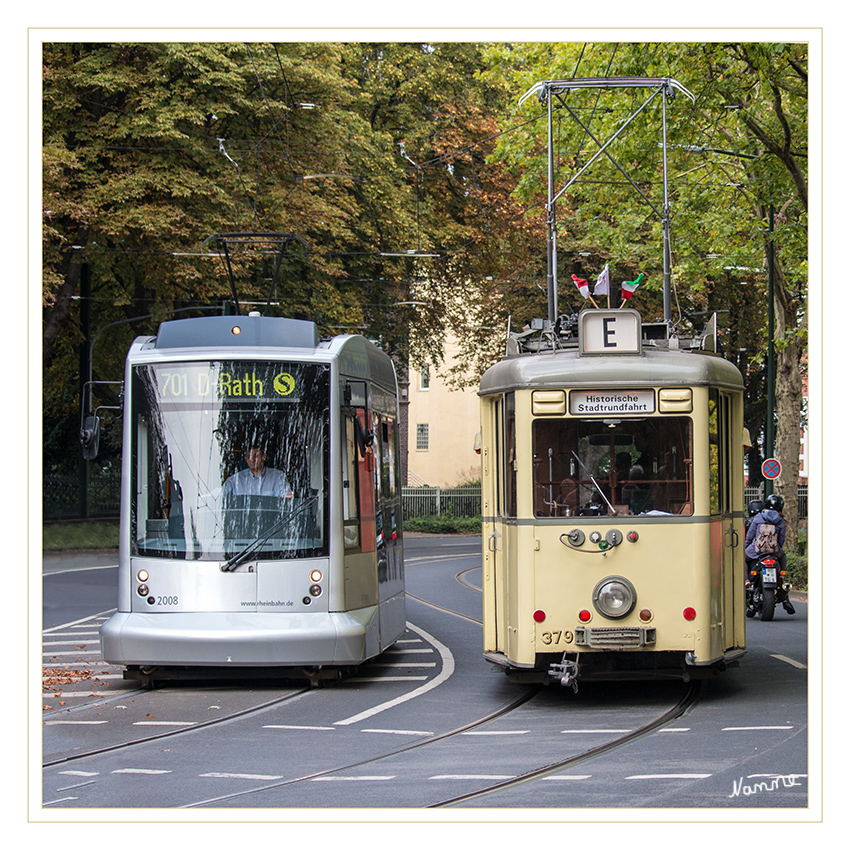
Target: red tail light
{"points": [[769, 562]]}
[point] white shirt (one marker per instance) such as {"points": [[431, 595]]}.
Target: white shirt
{"points": [[270, 482]]}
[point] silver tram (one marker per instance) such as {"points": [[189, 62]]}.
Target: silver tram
{"points": [[261, 502], [613, 504]]}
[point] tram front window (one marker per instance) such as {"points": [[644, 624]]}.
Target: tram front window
{"points": [[228, 455], [602, 466]]}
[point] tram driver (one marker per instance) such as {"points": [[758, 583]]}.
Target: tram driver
{"points": [[257, 479]]}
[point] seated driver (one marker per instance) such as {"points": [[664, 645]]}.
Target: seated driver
{"points": [[257, 479]]}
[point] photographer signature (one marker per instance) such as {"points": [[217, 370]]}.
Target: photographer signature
{"points": [[766, 782]]}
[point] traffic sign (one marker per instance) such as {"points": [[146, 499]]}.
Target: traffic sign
{"points": [[771, 468]]}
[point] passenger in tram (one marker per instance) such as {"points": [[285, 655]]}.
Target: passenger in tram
{"points": [[637, 493]]}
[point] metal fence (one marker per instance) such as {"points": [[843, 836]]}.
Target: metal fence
{"points": [[802, 498], [435, 501], [61, 498]]}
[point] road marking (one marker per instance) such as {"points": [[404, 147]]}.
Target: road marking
{"points": [[790, 661], [486, 776], [142, 770], [670, 776], [70, 694], [74, 722], [677, 729], [427, 651], [595, 731], [362, 679], [165, 723], [351, 778], [442, 676], [506, 732], [79, 652], [78, 773], [260, 776], [303, 728], [754, 728], [406, 664], [397, 731]]}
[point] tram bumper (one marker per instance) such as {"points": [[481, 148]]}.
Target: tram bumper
{"points": [[241, 640]]}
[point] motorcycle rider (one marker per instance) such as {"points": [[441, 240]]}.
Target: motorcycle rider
{"points": [[771, 515]]}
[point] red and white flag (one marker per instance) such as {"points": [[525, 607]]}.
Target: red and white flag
{"points": [[602, 282], [582, 285]]}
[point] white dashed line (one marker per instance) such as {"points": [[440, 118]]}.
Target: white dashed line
{"points": [[396, 732], [262, 777], [485, 776], [670, 776], [507, 732], [790, 661]]}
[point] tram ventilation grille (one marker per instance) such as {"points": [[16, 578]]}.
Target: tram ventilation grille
{"points": [[614, 637]]}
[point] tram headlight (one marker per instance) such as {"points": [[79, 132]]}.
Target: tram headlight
{"points": [[614, 597], [315, 590], [142, 590], [316, 575]]}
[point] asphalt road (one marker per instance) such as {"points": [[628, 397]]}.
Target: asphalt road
{"points": [[420, 727]]}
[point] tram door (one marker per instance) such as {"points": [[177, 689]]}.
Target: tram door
{"points": [[727, 542], [492, 479]]}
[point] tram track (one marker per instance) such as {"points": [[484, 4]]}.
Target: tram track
{"points": [[172, 733], [504, 710], [688, 700]]}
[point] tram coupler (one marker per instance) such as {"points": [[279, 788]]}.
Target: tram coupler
{"points": [[566, 672]]}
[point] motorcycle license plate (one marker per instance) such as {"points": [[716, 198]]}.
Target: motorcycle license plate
{"points": [[769, 574]]}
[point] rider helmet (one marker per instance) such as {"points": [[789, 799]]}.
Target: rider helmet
{"points": [[755, 506], [774, 502]]}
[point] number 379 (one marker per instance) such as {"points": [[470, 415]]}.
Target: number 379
{"points": [[554, 638]]}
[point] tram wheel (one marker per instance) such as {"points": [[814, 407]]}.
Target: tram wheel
{"points": [[768, 604]]}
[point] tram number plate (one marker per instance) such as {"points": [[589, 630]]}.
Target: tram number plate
{"points": [[553, 638], [769, 574]]}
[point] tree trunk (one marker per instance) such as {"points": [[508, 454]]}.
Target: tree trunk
{"points": [[790, 352]]}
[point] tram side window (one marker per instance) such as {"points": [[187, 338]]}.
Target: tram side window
{"points": [[627, 466], [350, 489], [510, 455], [719, 452]]}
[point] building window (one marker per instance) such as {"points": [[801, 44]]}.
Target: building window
{"points": [[424, 378], [422, 437]]}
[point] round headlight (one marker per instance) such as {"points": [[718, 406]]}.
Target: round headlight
{"points": [[614, 597]]}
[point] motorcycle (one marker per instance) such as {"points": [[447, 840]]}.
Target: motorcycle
{"points": [[766, 587]]}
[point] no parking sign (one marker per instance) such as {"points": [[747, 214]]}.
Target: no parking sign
{"points": [[771, 469]]}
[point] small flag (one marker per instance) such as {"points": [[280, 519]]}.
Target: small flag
{"points": [[602, 282], [583, 288], [629, 286]]}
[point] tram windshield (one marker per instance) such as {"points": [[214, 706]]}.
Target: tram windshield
{"points": [[229, 455], [601, 467]]}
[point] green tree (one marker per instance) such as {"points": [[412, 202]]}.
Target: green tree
{"points": [[740, 149]]}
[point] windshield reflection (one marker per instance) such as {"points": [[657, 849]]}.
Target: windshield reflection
{"points": [[226, 453]]}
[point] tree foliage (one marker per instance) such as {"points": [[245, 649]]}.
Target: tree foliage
{"points": [[419, 185]]}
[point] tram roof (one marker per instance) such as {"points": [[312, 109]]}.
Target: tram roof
{"points": [[566, 368]]}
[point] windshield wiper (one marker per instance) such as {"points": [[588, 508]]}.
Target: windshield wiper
{"points": [[233, 562], [598, 488]]}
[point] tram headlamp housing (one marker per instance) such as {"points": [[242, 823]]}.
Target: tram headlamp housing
{"points": [[614, 597]]}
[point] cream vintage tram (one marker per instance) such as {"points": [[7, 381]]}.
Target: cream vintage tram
{"points": [[613, 504]]}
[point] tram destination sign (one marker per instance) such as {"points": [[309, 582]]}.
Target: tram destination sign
{"points": [[609, 332], [610, 402]]}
